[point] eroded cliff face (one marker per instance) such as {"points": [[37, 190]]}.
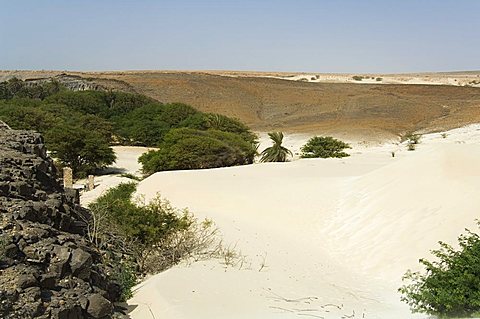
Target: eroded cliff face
{"points": [[47, 268], [71, 82]]}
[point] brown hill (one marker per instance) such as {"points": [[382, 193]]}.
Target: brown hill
{"points": [[344, 109]]}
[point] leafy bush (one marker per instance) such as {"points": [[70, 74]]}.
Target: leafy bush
{"points": [[450, 285], [324, 147], [124, 274], [357, 78], [276, 152], [143, 238], [186, 148]]}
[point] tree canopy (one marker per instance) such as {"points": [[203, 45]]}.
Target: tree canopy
{"points": [[81, 126], [186, 148]]}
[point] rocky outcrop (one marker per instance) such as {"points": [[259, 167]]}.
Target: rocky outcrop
{"points": [[71, 82], [47, 268]]}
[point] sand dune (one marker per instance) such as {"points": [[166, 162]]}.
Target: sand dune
{"points": [[334, 236]]}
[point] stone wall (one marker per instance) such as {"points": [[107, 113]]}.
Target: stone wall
{"points": [[47, 268]]}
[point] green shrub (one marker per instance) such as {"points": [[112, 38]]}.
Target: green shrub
{"points": [[186, 148], [378, 79], [140, 238], [357, 78], [450, 285], [324, 147], [124, 274], [145, 224]]}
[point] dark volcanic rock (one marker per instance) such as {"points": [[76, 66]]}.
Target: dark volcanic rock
{"points": [[47, 268], [98, 306]]}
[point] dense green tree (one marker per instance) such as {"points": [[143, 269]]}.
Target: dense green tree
{"points": [[142, 126], [205, 121], [186, 148], [276, 152], [81, 149], [324, 147], [86, 102]]}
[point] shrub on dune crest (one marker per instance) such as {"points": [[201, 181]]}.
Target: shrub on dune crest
{"points": [[324, 147], [140, 238], [450, 285]]}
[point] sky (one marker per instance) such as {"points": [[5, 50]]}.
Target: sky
{"points": [[340, 36]]}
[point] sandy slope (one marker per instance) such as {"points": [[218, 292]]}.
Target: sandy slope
{"points": [[126, 163], [335, 235]]}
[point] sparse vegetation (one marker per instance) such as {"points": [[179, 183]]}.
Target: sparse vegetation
{"points": [[412, 140], [357, 78], [444, 135], [449, 285], [131, 176], [378, 79], [144, 238], [276, 152], [324, 147]]}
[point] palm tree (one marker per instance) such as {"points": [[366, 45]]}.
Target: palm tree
{"points": [[276, 152]]}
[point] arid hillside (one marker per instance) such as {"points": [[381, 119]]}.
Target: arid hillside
{"points": [[344, 109]]}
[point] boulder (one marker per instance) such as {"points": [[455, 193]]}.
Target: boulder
{"points": [[80, 263], [98, 306]]}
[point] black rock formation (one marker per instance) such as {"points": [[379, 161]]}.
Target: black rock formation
{"points": [[47, 268]]}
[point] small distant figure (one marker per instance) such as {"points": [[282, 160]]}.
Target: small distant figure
{"points": [[91, 183], [67, 177]]}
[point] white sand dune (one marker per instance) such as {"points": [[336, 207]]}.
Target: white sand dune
{"points": [[322, 238]]}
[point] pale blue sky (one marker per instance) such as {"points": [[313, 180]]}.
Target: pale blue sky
{"points": [[265, 35]]}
